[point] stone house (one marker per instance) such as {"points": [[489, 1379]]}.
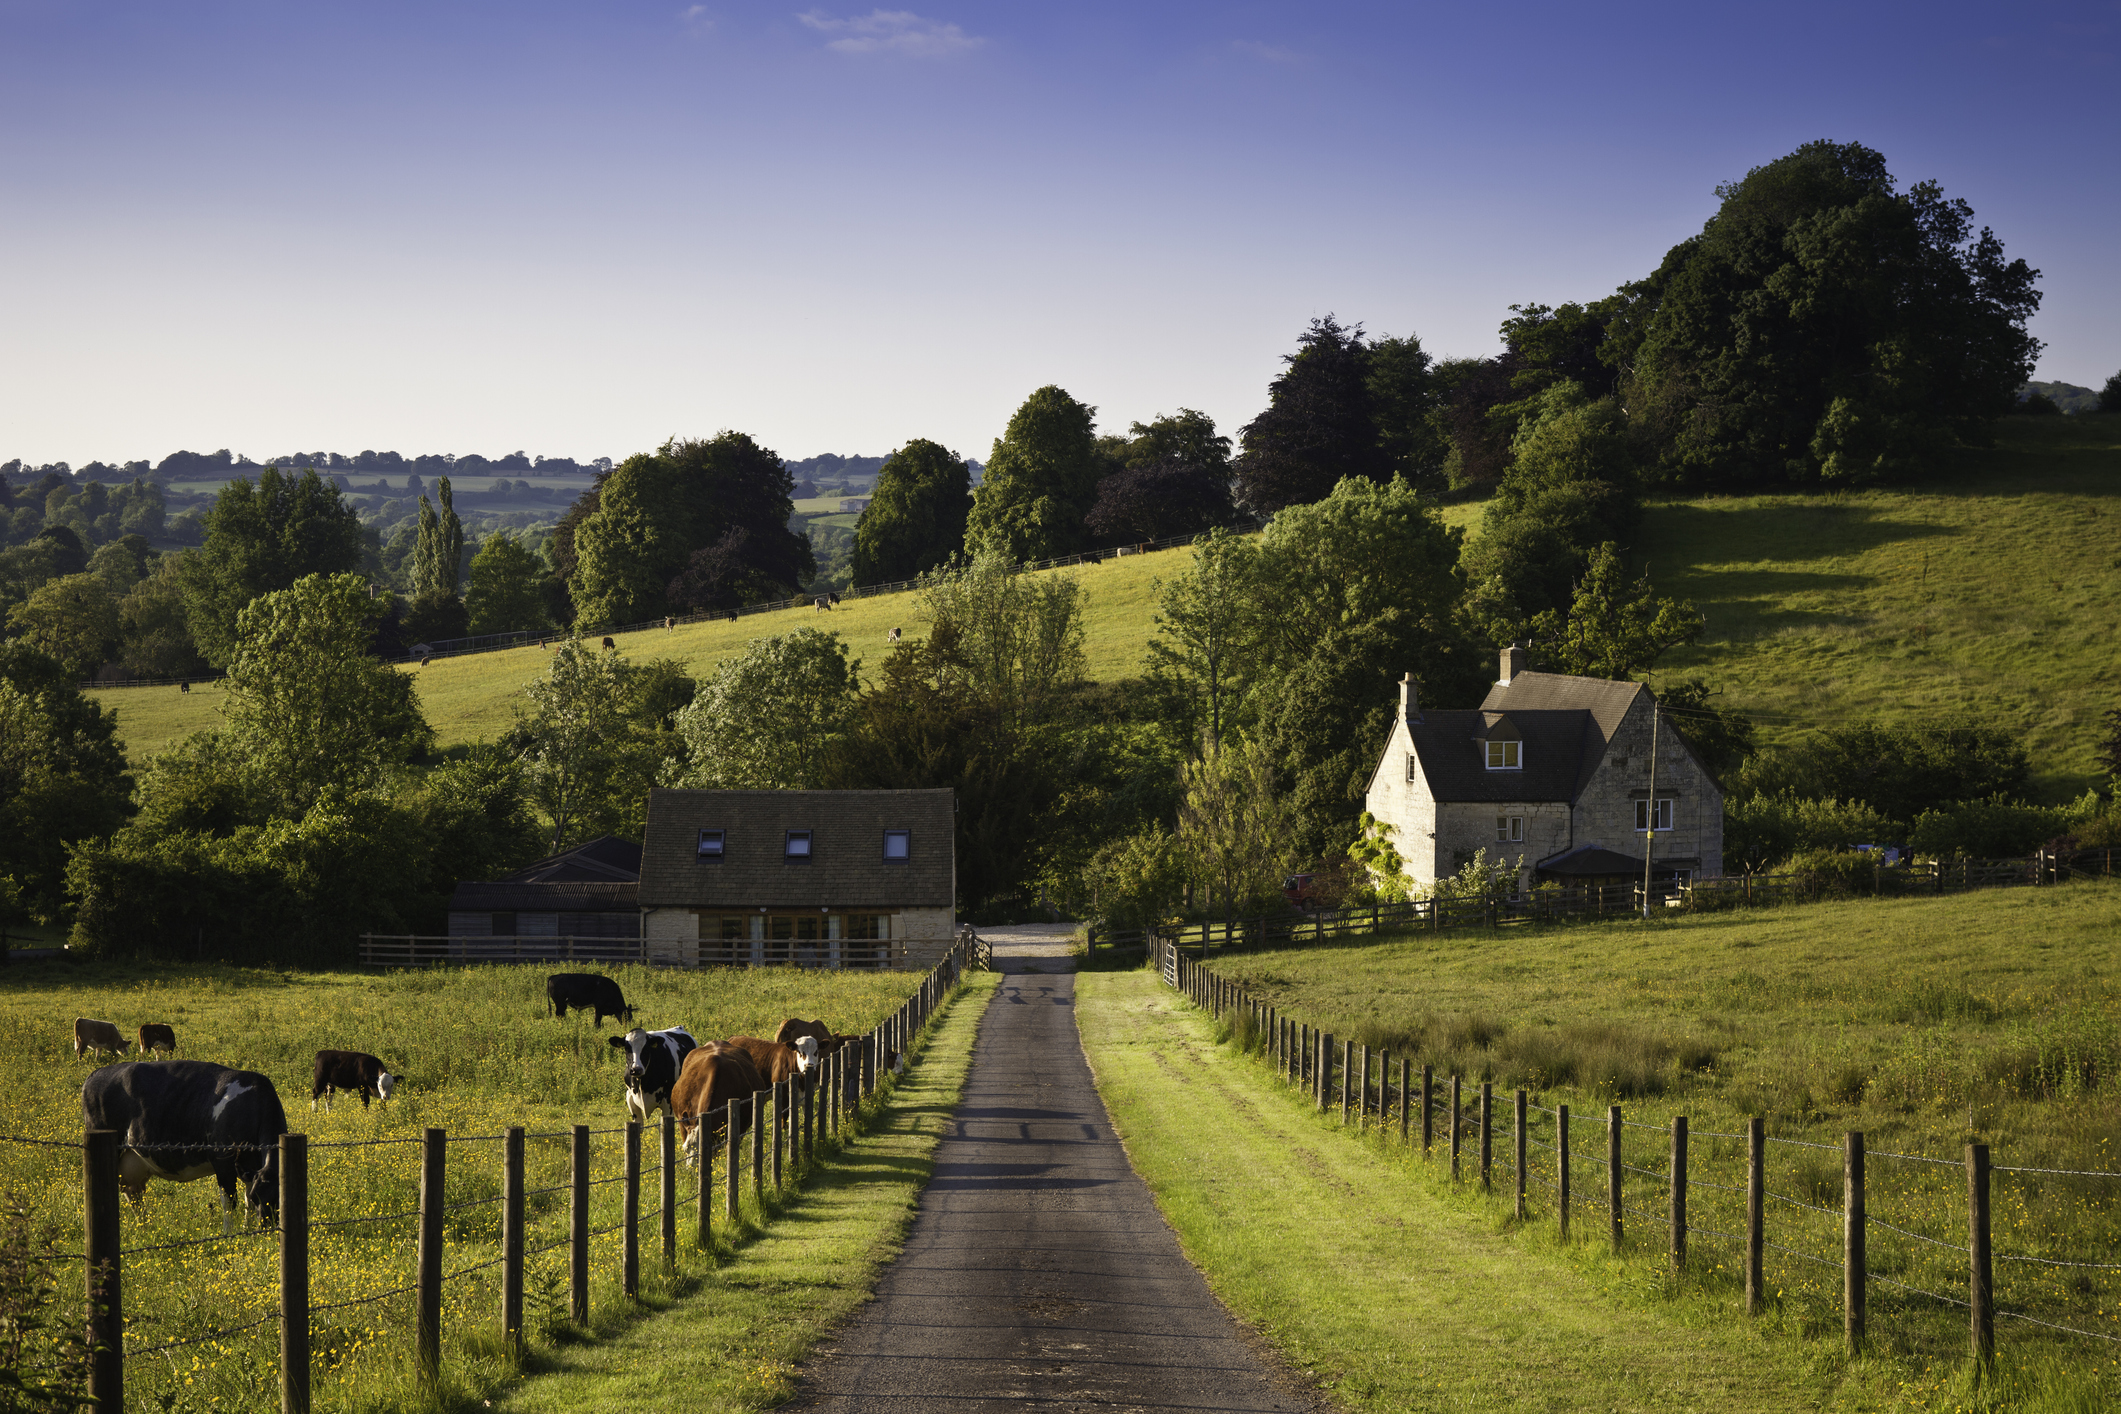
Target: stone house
{"points": [[1553, 775], [590, 891], [808, 878]]}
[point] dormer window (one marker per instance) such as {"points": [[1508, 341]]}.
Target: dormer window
{"points": [[797, 848], [712, 842], [898, 846], [1505, 756]]}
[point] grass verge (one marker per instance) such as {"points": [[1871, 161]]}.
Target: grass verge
{"points": [[734, 1340]]}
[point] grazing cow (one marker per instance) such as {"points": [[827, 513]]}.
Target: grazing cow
{"points": [[795, 1027], [97, 1036], [355, 1071], [654, 1061], [823, 603], [154, 1036], [609, 644], [891, 637], [713, 1074], [587, 991], [835, 598], [184, 1119], [778, 1062]]}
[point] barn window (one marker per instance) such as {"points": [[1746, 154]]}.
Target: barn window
{"points": [[898, 846], [711, 842], [797, 847], [1505, 756]]}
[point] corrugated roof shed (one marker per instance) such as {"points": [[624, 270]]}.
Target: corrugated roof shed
{"points": [[846, 867]]}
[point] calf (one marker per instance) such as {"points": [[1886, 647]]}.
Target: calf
{"points": [[587, 991], [154, 1036], [184, 1119], [654, 1060], [777, 1061], [713, 1075], [97, 1036], [355, 1071]]}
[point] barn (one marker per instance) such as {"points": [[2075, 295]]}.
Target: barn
{"points": [[804, 878], [591, 891]]}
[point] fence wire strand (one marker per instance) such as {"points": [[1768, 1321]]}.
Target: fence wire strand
{"points": [[203, 1339]]}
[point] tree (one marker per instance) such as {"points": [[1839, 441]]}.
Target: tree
{"points": [[74, 620], [1898, 769], [1403, 403], [259, 539], [63, 776], [1040, 481], [1825, 326], [154, 634], [506, 593], [68, 557], [713, 578], [589, 757], [2109, 753], [916, 516], [656, 509], [1186, 436], [1235, 828], [1158, 500], [1614, 629], [307, 707], [1721, 736], [767, 719], [2110, 395], [1319, 425], [440, 548], [1207, 633], [1018, 637]]}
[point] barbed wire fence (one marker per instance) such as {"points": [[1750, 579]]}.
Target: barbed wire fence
{"points": [[794, 1123], [1922, 1253]]}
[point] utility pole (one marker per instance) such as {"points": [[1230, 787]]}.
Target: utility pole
{"points": [[1649, 815]]}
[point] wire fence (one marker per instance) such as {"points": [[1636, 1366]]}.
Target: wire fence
{"points": [[319, 1276], [1899, 1237]]}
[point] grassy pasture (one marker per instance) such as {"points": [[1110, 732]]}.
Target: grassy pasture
{"points": [[1993, 1016], [478, 1053]]}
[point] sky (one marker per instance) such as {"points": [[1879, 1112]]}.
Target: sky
{"points": [[580, 229]]}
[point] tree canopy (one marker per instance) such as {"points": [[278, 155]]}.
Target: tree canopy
{"points": [[1041, 480], [62, 777], [1318, 427], [260, 538], [916, 515], [767, 718], [506, 590]]}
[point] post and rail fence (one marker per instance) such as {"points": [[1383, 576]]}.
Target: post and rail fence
{"points": [[805, 1116], [1716, 1187]]}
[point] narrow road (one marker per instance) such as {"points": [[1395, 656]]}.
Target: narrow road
{"points": [[1039, 1274]]}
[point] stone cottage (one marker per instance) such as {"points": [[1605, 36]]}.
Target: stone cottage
{"points": [[1553, 775]]}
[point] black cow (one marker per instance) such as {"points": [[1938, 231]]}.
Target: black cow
{"points": [[184, 1119], [654, 1061], [357, 1071], [587, 991]]}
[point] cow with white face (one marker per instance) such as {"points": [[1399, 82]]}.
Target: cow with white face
{"points": [[654, 1060]]}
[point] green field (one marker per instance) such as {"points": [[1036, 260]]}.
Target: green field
{"points": [[1993, 593], [478, 1053], [1924, 1023]]}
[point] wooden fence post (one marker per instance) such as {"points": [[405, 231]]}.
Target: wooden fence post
{"points": [[1456, 1128], [667, 1188], [1405, 1108], [1325, 1070], [809, 1122], [1852, 1235], [1487, 1136], [1755, 1212], [578, 1227], [732, 1178], [434, 1159], [1428, 1108], [1518, 1153], [1347, 1079], [630, 1223], [512, 1239], [294, 1274], [1980, 1279], [1612, 1173], [103, 1286], [1561, 1167], [1678, 1218]]}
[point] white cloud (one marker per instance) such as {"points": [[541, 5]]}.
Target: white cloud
{"points": [[1271, 53], [891, 32], [696, 20]]}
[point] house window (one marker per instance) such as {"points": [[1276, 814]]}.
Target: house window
{"points": [[898, 846], [711, 842], [1505, 756], [1653, 814], [1509, 829], [798, 846], [1410, 767]]}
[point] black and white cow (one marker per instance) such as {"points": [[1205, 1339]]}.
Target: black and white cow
{"points": [[357, 1071], [184, 1119], [654, 1061], [587, 991]]}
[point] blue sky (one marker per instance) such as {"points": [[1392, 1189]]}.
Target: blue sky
{"points": [[579, 229]]}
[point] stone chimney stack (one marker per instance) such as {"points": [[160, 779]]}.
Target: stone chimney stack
{"points": [[1409, 699], [1514, 661]]}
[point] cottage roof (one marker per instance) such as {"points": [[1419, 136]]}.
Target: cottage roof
{"points": [[1590, 861], [1454, 762], [845, 868]]}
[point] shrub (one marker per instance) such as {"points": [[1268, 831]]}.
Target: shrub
{"points": [[1764, 828], [1986, 829]]}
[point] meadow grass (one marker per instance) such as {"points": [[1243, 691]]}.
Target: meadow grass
{"points": [[1988, 592], [477, 1052], [1924, 1023]]}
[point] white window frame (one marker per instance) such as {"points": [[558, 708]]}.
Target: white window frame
{"points": [[1659, 810], [1505, 755], [1509, 829]]}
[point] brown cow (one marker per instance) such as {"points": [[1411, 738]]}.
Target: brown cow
{"points": [[714, 1074], [97, 1036], [154, 1036], [794, 1027], [778, 1061]]}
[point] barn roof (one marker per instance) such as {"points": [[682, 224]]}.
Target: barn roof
{"points": [[599, 876], [845, 868]]}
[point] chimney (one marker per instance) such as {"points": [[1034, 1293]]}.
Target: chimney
{"points": [[1513, 663], [1409, 698]]}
